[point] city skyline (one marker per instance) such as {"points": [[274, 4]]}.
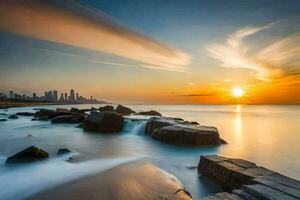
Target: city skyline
{"points": [[50, 95]]}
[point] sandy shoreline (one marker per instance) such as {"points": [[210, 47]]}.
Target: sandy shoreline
{"points": [[136, 180]]}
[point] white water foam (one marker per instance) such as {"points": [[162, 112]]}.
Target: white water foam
{"points": [[22, 181]]}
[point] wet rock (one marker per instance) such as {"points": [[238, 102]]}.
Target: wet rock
{"points": [[3, 120], [45, 114], [157, 123], [13, 117], [34, 119], [76, 111], [177, 131], [63, 151], [124, 110], [190, 135], [27, 114], [29, 135], [43, 118], [28, 155], [70, 119], [62, 110], [103, 122], [106, 108], [151, 113]]}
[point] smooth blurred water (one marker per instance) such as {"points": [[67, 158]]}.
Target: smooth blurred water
{"points": [[267, 135]]}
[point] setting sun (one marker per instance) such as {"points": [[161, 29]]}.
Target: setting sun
{"points": [[237, 92]]}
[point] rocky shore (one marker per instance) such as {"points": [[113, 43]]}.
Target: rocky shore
{"points": [[240, 179]]}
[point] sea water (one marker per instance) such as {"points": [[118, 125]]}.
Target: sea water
{"points": [[267, 135]]}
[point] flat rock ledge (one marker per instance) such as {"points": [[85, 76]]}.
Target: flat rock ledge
{"points": [[177, 131], [246, 180]]}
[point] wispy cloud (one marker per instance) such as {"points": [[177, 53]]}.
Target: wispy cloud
{"points": [[275, 59], [41, 21], [196, 95]]}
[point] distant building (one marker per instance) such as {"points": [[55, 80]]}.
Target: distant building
{"points": [[72, 95], [54, 95], [34, 95], [66, 96], [61, 97], [77, 96], [11, 94]]}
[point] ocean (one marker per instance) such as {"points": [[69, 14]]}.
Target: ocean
{"points": [[265, 134]]}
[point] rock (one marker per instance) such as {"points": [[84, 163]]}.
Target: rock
{"points": [[44, 113], [34, 119], [230, 173], [28, 155], [124, 110], [151, 113], [13, 117], [62, 110], [29, 135], [71, 119], [175, 130], [190, 135], [42, 118], [103, 122], [76, 111], [223, 196], [63, 151], [3, 120], [27, 114], [156, 123], [106, 108], [194, 123]]}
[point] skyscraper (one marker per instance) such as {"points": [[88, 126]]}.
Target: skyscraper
{"points": [[11, 94], [77, 96], [72, 95], [54, 95], [66, 96], [61, 97]]}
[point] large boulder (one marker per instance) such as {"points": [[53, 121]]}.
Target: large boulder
{"points": [[157, 123], [71, 119], [63, 151], [45, 113], [103, 122], [28, 155], [151, 113], [106, 108], [124, 110], [191, 135], [65, 110], [76, 111], [178, 131]]}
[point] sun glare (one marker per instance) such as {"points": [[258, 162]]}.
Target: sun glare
{"points": [[237, 92]]}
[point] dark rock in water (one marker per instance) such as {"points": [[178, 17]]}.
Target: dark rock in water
{"points": [[124, 110], [67, 119], [28, 155], [63, 151], [151, 113], [29, 135], [157, 123], [45, 113], [4, 114], [191, 167], [76, 110], [246, 180], [27, 114], [85, 110], [13, 117], [43, 118], [181, 134], [103, 122], [62, 110], [34, 119], [3, 120], [106, 108]]}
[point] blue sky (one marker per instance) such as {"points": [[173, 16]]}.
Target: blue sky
{"points": [[179, 62]]}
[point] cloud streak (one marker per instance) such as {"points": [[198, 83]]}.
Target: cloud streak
{"points": [[36, 19], [275, 59]]}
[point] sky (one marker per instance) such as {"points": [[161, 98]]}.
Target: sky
{"points": [[153, 52]]}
